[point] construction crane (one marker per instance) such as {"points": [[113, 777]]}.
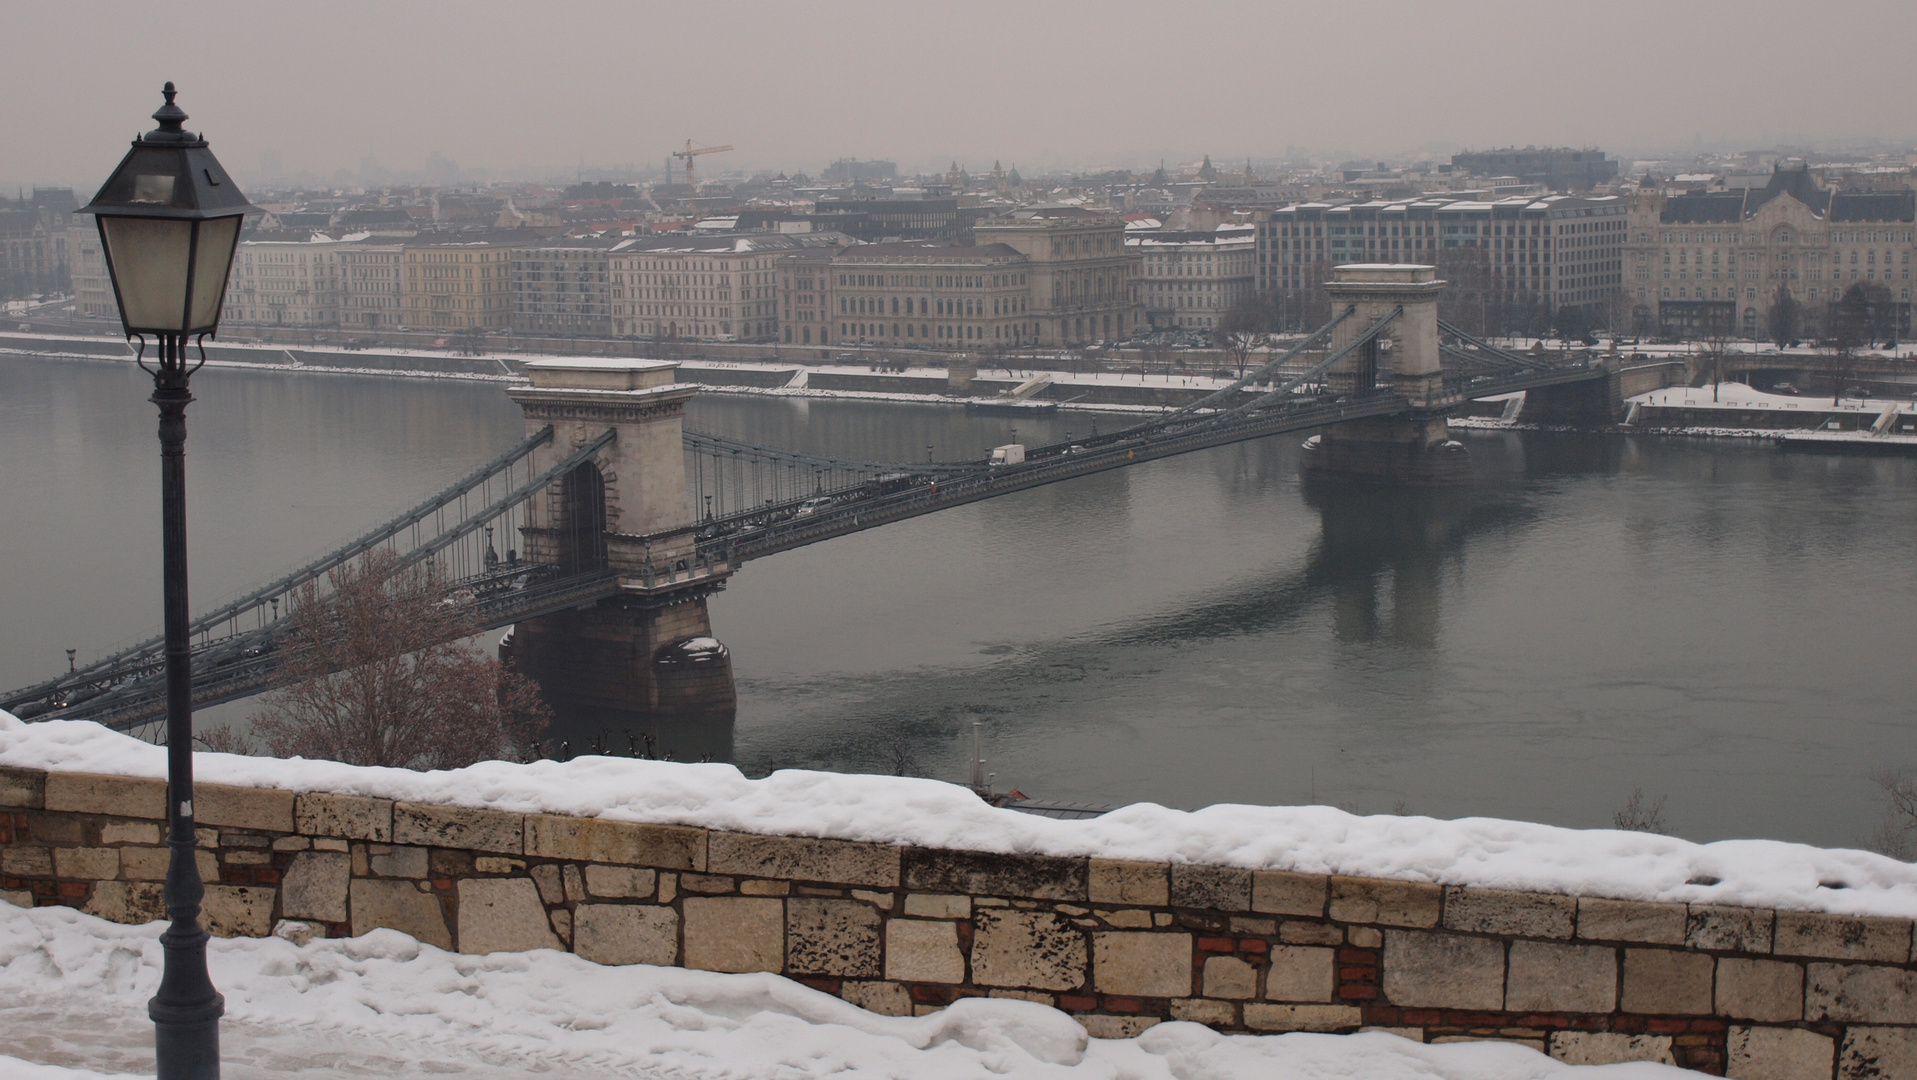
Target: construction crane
{"points": [[689, 153]]}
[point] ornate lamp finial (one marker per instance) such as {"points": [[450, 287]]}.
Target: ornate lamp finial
{"points": [[170, 117]]}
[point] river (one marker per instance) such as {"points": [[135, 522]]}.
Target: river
{"points": [[1719, 623]]}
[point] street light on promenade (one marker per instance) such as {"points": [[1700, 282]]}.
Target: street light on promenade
{"points": [[169, 220]]}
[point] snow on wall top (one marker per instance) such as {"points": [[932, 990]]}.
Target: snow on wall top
{"points": [[1486, 852]]}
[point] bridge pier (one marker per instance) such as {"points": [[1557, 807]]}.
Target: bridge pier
{"points": [[647, 653], [1594, 403], [1413, 449]]}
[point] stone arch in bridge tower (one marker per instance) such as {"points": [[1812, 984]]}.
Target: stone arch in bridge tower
{"points": [[1407, 349], [580, 520]]}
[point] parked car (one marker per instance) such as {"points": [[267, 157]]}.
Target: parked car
{"points": [[1783, 388]]}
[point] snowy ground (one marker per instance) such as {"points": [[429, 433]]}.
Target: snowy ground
{"points": [[73, 993], [928, 813], [1736, 395]]}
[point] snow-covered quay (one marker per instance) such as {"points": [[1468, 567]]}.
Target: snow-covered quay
{"points": [[669, 919]]}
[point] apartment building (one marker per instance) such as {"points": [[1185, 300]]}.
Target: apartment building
{"points": [[1187, 280], [458, 281], [92, 288], [708, 288], [563, 287], [933, 293], [804, 289], [371, 286], [284, 283], [1703, 261], [34, 233]]}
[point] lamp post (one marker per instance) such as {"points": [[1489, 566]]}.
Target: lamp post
{"points": [[169, 220]]}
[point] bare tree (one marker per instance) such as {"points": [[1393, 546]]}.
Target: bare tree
{"points": [[1897, 832], [1719, 326], [1241, 329], [1639, 815], [1846, 330], [1785, 317], [380, 672]]}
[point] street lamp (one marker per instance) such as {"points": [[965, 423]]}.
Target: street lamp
{"points": [[169, 220]]}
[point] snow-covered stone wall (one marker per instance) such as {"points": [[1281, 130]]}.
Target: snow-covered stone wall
{"points": [[902, 926]]}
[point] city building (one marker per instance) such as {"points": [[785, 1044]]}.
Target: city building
{"points": [[372, 288], [285, 283], [1517, 263], [1081, 277], [933, 293], [86, 263], [1557, 168], [34, 233], [805, 296], [1187, 280], [873, 220], [459, 281], [563, 286], [1705, 262], [710, 288]]}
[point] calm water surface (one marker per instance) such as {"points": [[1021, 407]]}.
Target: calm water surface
{"points": [[1724, 624]]}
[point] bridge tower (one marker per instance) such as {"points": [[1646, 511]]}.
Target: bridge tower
{"points": [[648, 650], [1415, 447]]}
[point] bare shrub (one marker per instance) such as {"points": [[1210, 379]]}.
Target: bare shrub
{"points": [[1897, 830], [381, 673], [1638, 815]]}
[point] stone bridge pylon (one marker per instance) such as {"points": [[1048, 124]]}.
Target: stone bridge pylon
{"points": [[647, 651], [1416, 447]]}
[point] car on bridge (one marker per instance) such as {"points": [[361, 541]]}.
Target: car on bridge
{"points": [[813, 506]]}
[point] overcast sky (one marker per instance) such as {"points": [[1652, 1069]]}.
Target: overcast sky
{"points": [[503, 85]]}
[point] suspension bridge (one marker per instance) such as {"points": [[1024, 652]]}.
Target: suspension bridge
{"points": [[599, 537]]}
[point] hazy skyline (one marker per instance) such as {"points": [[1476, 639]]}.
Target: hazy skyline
{"points": [[508, 87]]}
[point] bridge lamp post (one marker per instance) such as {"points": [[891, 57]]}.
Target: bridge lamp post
{"points": [[169, 220]]}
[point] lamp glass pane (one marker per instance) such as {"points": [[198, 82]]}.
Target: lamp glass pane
{"points": [[214, 261], [149, 257]]}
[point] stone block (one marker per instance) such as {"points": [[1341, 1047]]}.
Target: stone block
{"points": [[1545, 977], [1230, 977], [1631, 920], [551, 889], [17, 897], [1877, 1053], [1386, 903], [1212, 888], [791, 858], [1281, 893], [67, 829], [129, 832], [116, 796], [428, 825], [1252, 925], [626, 934], [1841, 937], [1114, 881], [626, 882], [502, 915], [881, 900], [291, 843], [1126, 918], [237, 911], [1666, 982], [978, 873], [208, 863], [314, 886], [1100, 1026], [921, 951], [1729, 929], [1202, 1011], [884, 998], [1609, 1048], [493, 864], [938, 906], [1764, 990], [26, 862], [1311, 933], [1301, 973], [328, 843], [1364, 937], [1770, 1053], [248, 858], [575, 883], [761, 887], [831, 937], [1154, 965], [735, 933], [124, 901], [671, 847], [1514, 914], [351, 817], [144, 863], [390, 860], [263, 809], [1035, 949], [561, 924], [1443, 971], [22, 789], [1860, 994], [707, 884], [1262, 1017], [86, 863], [398, 905]]}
